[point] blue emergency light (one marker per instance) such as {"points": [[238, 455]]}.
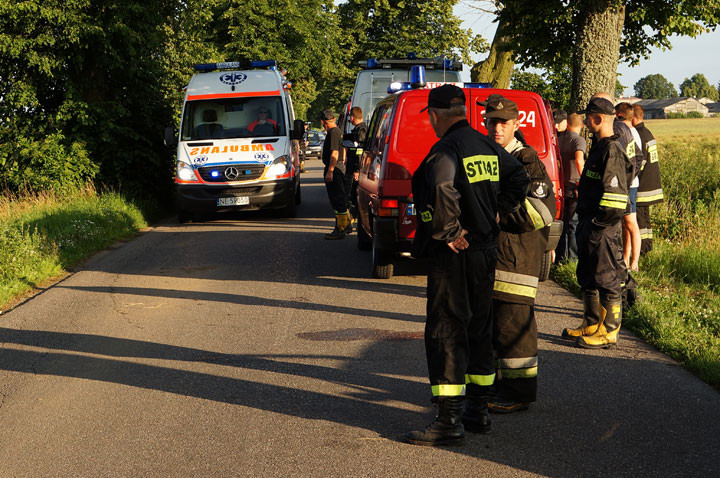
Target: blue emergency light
{"points": [[234, 65], [215, 174]]}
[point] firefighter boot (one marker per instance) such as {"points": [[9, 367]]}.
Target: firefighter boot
{"points": [[591, 316], [475, 418], [606, 334], [349, 227], [340, 225], [447, 429]]}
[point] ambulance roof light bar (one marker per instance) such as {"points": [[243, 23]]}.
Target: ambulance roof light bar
{"points": [[235, 65], [437, 63]]}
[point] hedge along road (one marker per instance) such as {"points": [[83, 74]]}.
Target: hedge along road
{"points": [[249, 346]]}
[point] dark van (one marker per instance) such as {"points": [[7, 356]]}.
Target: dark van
{"points": [[399, 137]]}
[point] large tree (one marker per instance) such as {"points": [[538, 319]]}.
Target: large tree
{"points": [[593, 36], [698, 86], [655, 87]]}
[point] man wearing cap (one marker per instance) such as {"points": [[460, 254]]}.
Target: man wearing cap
{"points": [[572, 154], [520, 253], [458, 189], [602, 200], [334, 175]]}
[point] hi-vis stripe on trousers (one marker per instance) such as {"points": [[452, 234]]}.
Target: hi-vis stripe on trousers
{"points": [[515, 344]]}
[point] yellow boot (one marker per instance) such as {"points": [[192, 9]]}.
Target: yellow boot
{"points": [[592, 315], [349, 226], [607, 332], [341, 223]]}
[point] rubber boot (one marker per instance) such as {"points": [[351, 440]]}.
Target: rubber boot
{"points": [[475, 417], [349, 227], [592, 312], [340, 225], [447, 429], [606, 334]]}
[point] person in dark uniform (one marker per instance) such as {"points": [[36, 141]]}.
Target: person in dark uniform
{"points": [[352, 159], [602, 201], [520, 254], [458, 189], [650, 188], [334, 174]]}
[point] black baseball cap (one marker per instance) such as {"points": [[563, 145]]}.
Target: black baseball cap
{"points": [[560, 116], [442, 97], [599, 106], [497, 106], [326, 115]]}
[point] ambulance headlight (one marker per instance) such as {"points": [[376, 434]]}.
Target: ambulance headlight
{"points": [[185, 172], [280, 167]]}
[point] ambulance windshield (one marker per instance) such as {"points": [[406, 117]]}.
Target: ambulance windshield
{"points": [[224, 118]]}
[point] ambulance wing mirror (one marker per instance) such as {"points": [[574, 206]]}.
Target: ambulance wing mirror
{"points": [[298, 131], [170, 139]]}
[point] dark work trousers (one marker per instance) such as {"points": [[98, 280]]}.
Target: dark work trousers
{"points": [[567, 246], [458, 331], [351, 192], [515, 343], [336, 190], [646, 232], [600, 266]]}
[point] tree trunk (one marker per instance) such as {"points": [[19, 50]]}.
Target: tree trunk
{"points": [[497, 68], [595, 60]]}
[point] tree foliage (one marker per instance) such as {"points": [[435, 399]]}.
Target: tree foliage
{"points": [[698, 86], [594, 34], [655, 87], [555, 87]]}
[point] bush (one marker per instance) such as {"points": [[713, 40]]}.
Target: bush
{"points": [[694, 114], [47, 164]]}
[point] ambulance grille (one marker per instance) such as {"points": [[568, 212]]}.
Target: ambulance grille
{"points": [[244, 191], [245, 172]]}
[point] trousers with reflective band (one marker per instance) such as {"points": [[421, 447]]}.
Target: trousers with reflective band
{"points": [[646, 232], [600, 265], [458, 331], [515, 346]]}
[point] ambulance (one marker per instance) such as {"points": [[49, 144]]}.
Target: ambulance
{"points": [[238, 145]]}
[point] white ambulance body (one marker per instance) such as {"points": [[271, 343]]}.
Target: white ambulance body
{"points": [[237, 147]]}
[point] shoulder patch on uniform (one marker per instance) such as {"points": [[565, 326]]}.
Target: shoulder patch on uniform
{"points": [[539, 191], [614, 182]]}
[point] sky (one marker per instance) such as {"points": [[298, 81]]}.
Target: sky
{"points": [[687, 57]]}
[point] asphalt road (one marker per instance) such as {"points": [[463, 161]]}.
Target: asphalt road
{"points": [[249, 346]]}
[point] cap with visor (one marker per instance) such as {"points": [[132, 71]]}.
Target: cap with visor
{"points": [[497, 106], [442, 97]]}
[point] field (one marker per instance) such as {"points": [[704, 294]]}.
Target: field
{"points": [[679, 281]]}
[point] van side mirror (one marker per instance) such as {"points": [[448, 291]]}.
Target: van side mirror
{"points": [[298, 130], [170, 139]]}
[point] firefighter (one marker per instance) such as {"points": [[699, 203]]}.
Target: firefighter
{"points": [[520, 255], [602, 200], [650, 189], [458, 190], [352, 159]]}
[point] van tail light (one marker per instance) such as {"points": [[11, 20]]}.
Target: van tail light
{"points": [[388, 208]]}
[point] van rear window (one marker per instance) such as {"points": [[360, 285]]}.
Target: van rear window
{"points": [[531, 125]]}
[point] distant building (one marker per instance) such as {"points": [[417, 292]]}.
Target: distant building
{"points": [[656, 109], [713, 108], [705, 100]]}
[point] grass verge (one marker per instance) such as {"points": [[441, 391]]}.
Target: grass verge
{"points": [[41, 236]]}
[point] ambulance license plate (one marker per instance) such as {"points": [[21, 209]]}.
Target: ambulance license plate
{"points": [[410, 209], [235, 201]]}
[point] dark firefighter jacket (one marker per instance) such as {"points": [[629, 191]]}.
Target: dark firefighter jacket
{"points": [[520, 254], [357, 136], [650, 190], [462, 183], [603, 188]]}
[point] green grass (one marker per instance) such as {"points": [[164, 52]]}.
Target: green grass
{"points": [[42, 236], [679, 281]]}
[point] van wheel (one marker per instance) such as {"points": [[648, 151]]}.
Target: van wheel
{"points": [[382, 266], [545, 266], [291, 209], [298, 195], [364, 242], [183, 216]]}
